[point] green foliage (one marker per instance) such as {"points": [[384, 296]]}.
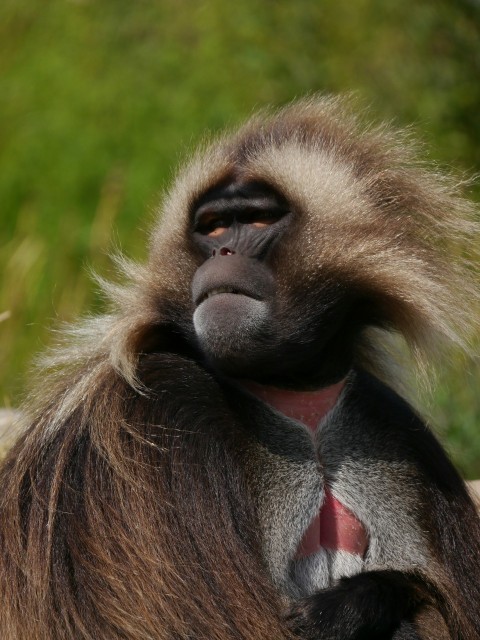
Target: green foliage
{"points": [[100, 99]]}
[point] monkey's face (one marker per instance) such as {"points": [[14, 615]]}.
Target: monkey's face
{"points": [[246, 323], [235, 228]]}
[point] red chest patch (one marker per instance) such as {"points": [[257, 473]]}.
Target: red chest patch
{"points": [[335, 526]]}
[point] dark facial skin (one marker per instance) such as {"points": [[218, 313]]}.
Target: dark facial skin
{"points": [[241, 325], [236, 227]]}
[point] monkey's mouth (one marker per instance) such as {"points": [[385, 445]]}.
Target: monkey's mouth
{"points": [[223, 290]]}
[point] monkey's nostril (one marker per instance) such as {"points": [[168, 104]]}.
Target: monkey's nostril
{"points": [[225, 251], [214, 253]]}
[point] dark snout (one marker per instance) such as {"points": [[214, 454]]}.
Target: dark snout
{"points": [[232, 273]]}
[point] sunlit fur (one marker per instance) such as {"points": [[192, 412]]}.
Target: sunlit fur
{"points": [[123, 507]]}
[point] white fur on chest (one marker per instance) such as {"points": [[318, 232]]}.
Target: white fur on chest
{"points": [[323, 569]]}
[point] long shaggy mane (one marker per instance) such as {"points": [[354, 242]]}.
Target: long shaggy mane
{"points": [[123, 517]]}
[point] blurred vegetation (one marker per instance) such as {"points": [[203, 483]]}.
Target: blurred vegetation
{"points": [[100, 99]]}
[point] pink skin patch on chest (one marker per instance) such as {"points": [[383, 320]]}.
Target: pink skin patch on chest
{"points": [[335, 526]]}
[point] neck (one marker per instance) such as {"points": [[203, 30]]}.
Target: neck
{"points": [[307, 407]]}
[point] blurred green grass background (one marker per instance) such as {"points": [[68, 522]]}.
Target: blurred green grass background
{"points": [[100, 100]]}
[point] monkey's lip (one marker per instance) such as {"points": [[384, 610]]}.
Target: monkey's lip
{"points": [[224, 290]]}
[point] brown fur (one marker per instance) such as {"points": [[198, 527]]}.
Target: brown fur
{"points": [[124, 512], [430, 624]]}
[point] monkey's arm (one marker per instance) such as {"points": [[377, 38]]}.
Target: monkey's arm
{"points": [[377, 605]]}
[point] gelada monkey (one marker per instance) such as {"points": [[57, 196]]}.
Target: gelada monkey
{"points": [[226, 454]]}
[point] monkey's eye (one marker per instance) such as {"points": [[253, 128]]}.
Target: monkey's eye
{"points": [[217, 232], [259, 218], [212, 224]]}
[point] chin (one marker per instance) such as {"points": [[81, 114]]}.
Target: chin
{"points": [[230, 328]]}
